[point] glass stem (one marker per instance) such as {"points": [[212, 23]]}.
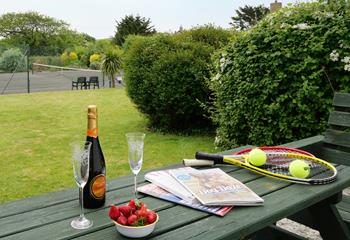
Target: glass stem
{"points": [[135, 183], [81, 202]]}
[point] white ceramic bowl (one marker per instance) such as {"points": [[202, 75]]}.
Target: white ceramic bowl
{"points": [[136, 232]]}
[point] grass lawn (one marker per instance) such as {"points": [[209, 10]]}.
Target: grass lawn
{"points": [[37, 129]]}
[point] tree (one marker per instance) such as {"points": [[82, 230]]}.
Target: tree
{"points": [[132, 25], [111, 63], [248, 16], [30, 28]]}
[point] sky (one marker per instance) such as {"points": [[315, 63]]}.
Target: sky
{"points": [[98, 17]]}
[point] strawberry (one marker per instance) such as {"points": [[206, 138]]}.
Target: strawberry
{"points": [[132, 204], [142, 212], [139, 205], [122, 220], [151, 217], [125, 210], [114, 212], [132, 219]]}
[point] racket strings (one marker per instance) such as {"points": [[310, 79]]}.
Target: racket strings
{"points": [[280, 164]]}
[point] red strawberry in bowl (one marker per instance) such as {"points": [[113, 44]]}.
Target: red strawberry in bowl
{"points": [[125, 210], [132, 220], [122, 220], [151, 217], [132, 204], [114, 213]]}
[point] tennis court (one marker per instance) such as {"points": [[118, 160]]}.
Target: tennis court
{"points": [[45, 81]]}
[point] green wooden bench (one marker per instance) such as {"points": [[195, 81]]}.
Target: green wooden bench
{"points": [[333, 146]]}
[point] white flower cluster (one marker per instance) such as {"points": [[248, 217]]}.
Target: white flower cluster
{"points": [[346, 60], [224, 62], [334, 56], [301, 26], [322, 15], [216, 77], [217, 141], [347, 67], [329, 14], [285, 25], [288, 13]]}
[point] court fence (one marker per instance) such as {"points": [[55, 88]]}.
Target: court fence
{"points": [[22, 73]]}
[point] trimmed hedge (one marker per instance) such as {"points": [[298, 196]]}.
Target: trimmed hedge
{"points": [[167, 77], [273, 83]]}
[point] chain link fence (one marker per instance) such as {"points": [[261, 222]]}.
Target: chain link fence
{"points": [[23, 72]]}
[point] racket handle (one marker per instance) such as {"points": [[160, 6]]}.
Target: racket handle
{"points": [[197, 163], [218, 159]]}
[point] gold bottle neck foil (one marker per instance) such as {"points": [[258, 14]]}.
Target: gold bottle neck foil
{"points": [[92, 129]]}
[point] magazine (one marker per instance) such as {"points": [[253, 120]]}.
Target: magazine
{"points": [[166, 181], [215, 187], [155, 191]]}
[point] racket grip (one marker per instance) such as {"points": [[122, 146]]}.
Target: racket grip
{"points": [[218, 159], [197, 163]]}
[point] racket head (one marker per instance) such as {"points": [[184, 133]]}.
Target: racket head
{"points": [[317, 171], [277, 164]]}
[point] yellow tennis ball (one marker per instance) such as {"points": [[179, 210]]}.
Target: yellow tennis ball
{"points": [[257, 157], [299, 169]]}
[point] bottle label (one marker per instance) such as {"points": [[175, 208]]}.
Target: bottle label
{"points": [[98, 186]]}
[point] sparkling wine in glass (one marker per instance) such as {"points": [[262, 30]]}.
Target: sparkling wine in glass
{"points": [[80, 161], [135, 154]]}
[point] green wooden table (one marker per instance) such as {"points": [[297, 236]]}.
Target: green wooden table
{"points": [[49, 216]]}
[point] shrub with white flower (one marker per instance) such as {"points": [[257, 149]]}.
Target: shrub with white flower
{"points": [[277, 79]]}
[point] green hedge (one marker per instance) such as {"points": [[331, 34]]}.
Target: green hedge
{"points": [[273, 83], [167, 77], [12, 60]]}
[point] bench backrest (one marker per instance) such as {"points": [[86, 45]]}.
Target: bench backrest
{"points": [[336, 143], [81, 79], [93, 79]]}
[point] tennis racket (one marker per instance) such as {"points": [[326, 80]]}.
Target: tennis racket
{"points": [[276, 166], [266, 149]]}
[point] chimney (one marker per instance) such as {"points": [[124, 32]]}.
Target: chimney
{"points": [[274, 7]]}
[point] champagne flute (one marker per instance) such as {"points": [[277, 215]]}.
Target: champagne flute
{"points": [[135, 145], [80, 161]]}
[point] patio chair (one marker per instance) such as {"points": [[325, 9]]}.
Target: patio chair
{"points": [[93, 81], [81, 82]]}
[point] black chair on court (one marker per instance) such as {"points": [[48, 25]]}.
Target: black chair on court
{"points": [[93, 82], [81, 82]]}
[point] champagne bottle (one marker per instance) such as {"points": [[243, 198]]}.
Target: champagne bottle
{"points": [[95, 188]]}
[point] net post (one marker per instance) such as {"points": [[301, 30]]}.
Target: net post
{"points": [[28, 79]]}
